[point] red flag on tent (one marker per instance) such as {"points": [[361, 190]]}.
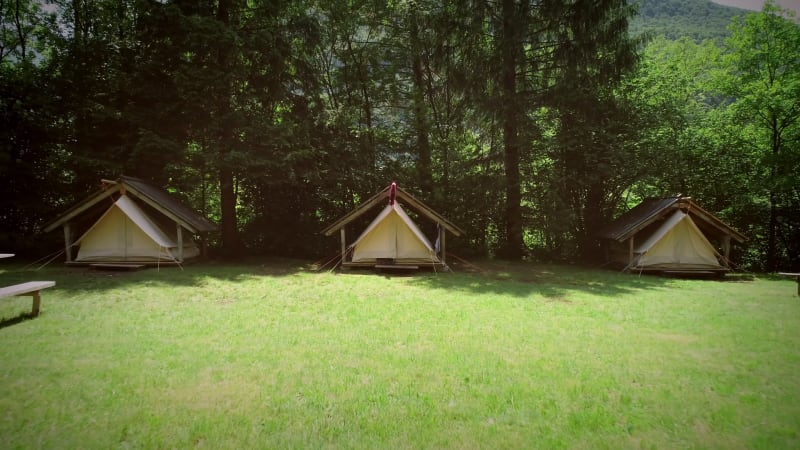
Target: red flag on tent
{"points": [[392, 193]]}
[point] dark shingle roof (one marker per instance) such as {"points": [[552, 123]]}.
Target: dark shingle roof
{"points": [[171, 204], [156, 197], [653, 209], [637, 218]]}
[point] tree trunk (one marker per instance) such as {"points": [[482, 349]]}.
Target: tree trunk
{"points": [[592, 218], [230, 233], [772, 260], [772, 241], [510, 119], [420, 122]]}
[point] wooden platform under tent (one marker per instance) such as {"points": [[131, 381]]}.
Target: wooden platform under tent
{"points": [[405, 265], [698, 273], [123, 265]]}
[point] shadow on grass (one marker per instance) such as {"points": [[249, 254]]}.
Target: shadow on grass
{"points": [[522, 279], [556, 281], [84, 278], [486, 277], [22, 317], [551, 281]]}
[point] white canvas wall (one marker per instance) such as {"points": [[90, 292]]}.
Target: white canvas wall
{"points": [[677, 243], [392, 235], [126, 233]]}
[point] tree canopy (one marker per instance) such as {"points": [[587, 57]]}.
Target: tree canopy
{"points": [[529, 124]]}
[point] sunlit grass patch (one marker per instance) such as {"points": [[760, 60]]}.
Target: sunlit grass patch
{"points": [[517, 355]]}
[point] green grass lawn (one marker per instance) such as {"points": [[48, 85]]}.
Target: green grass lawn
{"points": [[516, 356]]}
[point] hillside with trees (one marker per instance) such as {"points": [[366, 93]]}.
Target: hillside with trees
{"points": [[696, 19], [530, 125]]}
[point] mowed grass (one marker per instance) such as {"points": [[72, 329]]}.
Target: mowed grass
{"points": [[516, 356]]}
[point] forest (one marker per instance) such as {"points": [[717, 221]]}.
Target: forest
{"points": [[530, 124], [674, 19]]}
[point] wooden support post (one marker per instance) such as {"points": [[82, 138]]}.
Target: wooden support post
{"points": [[442, 234], [180, 242], [344, 245], [68, 241], [630, 251], [726, 249], [37, 300]]}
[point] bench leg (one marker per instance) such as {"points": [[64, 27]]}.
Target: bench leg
{"points": [[36, 302]]}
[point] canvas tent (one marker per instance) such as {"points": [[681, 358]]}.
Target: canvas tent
{"points": [[670, 234], [126, 233], [392, 235], [131, 221], [677, 242], [392, 238]]}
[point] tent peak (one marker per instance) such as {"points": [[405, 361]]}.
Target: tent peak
{"points": [[392, 193], [400, 196]]}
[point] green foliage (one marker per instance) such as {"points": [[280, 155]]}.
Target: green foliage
{"points": [[530, 125], [764, 80], [723, 120], [675, 93], [698, 20], [32, 171]]}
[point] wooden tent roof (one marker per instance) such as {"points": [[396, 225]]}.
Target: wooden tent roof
{"points": [[402, 196], [653, 209], [156, 197]]}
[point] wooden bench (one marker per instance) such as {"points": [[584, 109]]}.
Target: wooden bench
{"points": [[796, 277], [31, 288]]}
